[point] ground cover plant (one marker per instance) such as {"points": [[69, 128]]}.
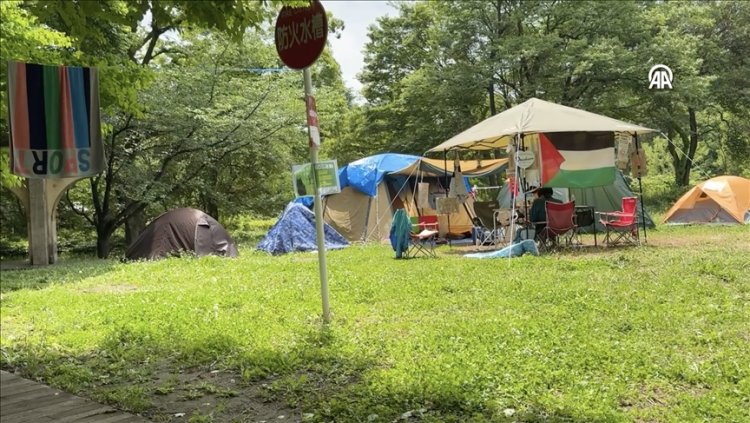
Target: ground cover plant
{"points": [[656, 333]]}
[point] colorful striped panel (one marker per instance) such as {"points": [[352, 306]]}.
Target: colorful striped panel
{"points": [[54, 120]]}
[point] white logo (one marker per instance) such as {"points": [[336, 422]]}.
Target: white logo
{"points": [[660, 76]]}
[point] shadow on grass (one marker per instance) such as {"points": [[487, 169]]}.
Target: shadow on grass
{"points": [[22, 275], [317, 379]]}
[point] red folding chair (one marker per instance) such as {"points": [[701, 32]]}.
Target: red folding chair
{"points": [[559, 225], [622, 226], [423, 237]]}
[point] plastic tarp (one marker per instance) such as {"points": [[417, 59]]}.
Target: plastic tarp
{"points": [[295, 231], [365, 174]]}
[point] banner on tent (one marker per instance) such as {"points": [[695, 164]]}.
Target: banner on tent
{"points": [[328, 180]]}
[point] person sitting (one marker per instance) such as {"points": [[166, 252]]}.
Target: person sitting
{"points": [[538, 212]]}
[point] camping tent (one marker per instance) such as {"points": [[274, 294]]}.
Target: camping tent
{"points": [[181, 230], [724, 199], [570, 148], [603, 199], [374, 187], [295, 231]]}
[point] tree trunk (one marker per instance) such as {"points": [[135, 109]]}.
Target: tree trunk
{"points": [[103, 244], [212, 209], [134, 225], [493, 112], [692, 147]]}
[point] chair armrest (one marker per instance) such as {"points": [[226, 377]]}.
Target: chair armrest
{"points": [[428, 226]]}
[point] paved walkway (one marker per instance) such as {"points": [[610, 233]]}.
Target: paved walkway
{"points": [[24, 401]]}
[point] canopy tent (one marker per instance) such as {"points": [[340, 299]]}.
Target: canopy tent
{"points": [[724, 199], [570, 148], [295, 231], [374, 187], [532, 117], [182, 230]]}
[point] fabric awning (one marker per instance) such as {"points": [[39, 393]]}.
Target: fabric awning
{"points": [[533, 116], [469, 168]]}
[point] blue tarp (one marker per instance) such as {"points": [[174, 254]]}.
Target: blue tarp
{"points": [[295, 231], [365, 174], [307, 201]]}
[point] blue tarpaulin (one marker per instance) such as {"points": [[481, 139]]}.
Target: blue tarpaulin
{"points": [[365, 174], [295, 231]]}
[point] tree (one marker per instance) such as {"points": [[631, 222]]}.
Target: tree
{"points": [[22, 38], [439, 67]]}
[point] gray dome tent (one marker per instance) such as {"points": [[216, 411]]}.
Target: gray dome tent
{"points": [[181, 230]]}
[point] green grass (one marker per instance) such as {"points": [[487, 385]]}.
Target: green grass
{"points": [[657, 333]]}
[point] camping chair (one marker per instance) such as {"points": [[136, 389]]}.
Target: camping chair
{"points": [[484, 234], [621, 226], [559, 224], [486, 230], [584, 217], [423, 239]]}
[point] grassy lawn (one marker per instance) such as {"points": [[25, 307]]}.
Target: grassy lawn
{"points": [[659, 333]]}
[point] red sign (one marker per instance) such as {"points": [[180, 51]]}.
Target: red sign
{"points": [[312, 122], [301, 34]]}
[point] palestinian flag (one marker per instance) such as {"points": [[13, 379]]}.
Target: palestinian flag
{"points": [[577, 159], [54, 121]]}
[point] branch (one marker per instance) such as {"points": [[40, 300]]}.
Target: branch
{"points": [[75, 210]]}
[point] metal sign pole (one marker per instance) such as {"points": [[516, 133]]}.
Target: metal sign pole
{"points": [[318, 210]]}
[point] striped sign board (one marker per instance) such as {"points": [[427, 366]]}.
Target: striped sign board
{"points": [[54, 121]]}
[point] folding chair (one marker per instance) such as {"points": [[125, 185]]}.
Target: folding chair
{"points": [[484, 234], [423, 242], [622, 226], [489, 223], [584, 217], [559, 224]]}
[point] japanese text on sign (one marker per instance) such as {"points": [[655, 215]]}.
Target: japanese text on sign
{"points": [[288, 36]]}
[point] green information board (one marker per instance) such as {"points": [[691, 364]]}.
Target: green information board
{"points": [[328, 179]]}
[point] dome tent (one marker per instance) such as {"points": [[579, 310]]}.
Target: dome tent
{"points": [[179, 230], [724, 199]]}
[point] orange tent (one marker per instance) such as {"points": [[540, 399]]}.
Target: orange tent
{"points": [[724, 199]]}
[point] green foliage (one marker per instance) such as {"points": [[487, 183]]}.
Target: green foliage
{"points": [[439, 67], [656, 333]]}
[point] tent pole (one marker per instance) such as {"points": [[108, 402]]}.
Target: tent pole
{"points": [[640, 188], [447, 188], [522, 185]]}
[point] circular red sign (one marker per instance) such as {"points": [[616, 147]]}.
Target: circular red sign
{"points": [[301, 34]]}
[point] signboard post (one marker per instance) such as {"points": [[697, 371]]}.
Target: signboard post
{"points": [[300, 36], [328, 180]]}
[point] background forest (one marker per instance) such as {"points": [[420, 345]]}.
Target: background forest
{"points": [[198, 110]]}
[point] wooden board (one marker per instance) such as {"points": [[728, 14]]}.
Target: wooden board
{"points": [[25, 401]]}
